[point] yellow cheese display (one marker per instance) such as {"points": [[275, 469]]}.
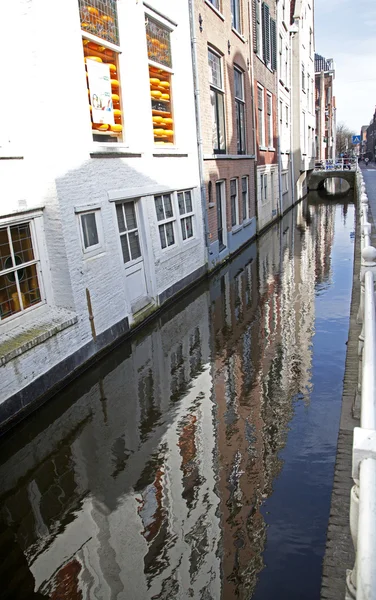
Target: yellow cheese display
{"points": [[165, 96], [154, 81], [115, 97], [112, 67], [117, 127], [165, 84], [117, 112], [96, 58], [156, 94], [114, 83]]}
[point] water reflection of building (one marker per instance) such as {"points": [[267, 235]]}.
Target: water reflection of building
{"points": [[98, 490]]}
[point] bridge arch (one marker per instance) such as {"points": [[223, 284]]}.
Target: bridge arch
{"points": [[317, 178]]}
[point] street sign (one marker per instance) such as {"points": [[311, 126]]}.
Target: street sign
{"points": [[356, 139]]}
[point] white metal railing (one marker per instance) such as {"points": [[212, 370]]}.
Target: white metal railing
{"points": [[337, 164], [361, 581]]}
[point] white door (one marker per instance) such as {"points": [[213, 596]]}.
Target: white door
{"points": [[131, 245]]}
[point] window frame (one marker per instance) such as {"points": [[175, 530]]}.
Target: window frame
{"points": [[285, 182], [261, 116], [236, 202], [186, 215], [269, 119], [165, 221], [218, 92], [303, 77], [8, 224], [263, 188], [127, 231], [245, 198], [240, 114], [236, 21]]}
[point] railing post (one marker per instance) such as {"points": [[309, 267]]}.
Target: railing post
{"points": [[354, 520]]}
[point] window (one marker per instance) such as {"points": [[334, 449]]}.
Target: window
{"points": [[128, 229], [240, 111], [283, 10], [263, 188], [245, 201], [269, 112], [235, 14], [165, 218], [269, 38], [286, 64], [280, 112], [217, 103], [160, 75], [19, 270], [303, 78], [91, 231], [102, 68], [285, 183], [186, 214], [287, 115], [260, 113], [257, 27], [216, 4], [310, 42], [234, 202], [280, 57]]}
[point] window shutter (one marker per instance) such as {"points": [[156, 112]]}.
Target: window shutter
{"points": [[273, 35], [266, 32], [254, 26]]}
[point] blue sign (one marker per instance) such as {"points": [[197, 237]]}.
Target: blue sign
{"points": [[356, 139]]}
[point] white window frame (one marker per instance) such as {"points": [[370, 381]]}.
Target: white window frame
{"points": [[261, 116], [264, 188], [287, 115], [186, 215], [96, 248], [218, 90], [236, 7], [269, 120], [7, 224], [126, 233], [236, 215], [163, 222], [260, 36], [240, 105], [280, 54], [245, 197], [286, 65], [285, 182]]}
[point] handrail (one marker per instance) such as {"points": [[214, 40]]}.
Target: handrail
{"points": [[361, 581], [337, 164]]}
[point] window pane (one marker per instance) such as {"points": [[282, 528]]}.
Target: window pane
{"points": [[214, 119], [158, 42], [221, 123], [9, 300], [215, 76], [233, 187], [22, 245], [244, 184], [124, 247], [162, 118], [100, 18], [159, 208], [189, 226], [120, 217], [4, 251], [170, 234], [238, 77], [183, 231], [29, 286], [181, 203], [259, 98], [168, 206], [130, 215], [162, 236], [89, 230], [134, 245], [188, 202]]}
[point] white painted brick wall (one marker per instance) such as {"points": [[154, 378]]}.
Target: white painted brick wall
{"points": [[52, 132]]}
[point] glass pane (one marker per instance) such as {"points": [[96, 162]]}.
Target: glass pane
{"points": [[162, 236], [124, 247], [5, 256], [29, 286], [9, 300], [134, 245], [100, 18], [188, 202], [22, 244], [259, 98], [189, 226], [168, 206], [159, 208], [120, 217], [244, 184], [158, 42], [170, 234], [241, 128], [89, 230], [215, 76], [221, 124], [181, 203], [214, 119], [238, 76], [233, 187], [183, 231], [130, 215], [244, 198]]}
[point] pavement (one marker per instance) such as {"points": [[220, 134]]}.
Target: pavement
{"points": [[369, 174]]}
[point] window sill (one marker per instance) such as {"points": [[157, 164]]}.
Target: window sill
{"points": [[247, 222], [211, 205], [171, 152], [10, 157], [228, 156], [271, 149], [238, 34], [22, 337], [237, 228], [217, 12], [111, 152], [263, 149]]}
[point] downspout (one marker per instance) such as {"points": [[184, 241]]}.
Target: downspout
{"points": [[279, 116], [291, 121], [198, 128], [254, 132]]}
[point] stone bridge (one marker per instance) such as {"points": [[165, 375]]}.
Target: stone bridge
{"points": [[318, 177]]}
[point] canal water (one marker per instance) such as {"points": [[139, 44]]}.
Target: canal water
{"points": [[197, 459]]}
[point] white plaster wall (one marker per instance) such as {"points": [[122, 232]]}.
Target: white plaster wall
{"points": [[267, 210], [51, 130]]}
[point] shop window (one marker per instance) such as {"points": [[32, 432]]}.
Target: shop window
{"points": [[166, 219], [186, 214], [160, 72], [19, 270], [99, 17]]}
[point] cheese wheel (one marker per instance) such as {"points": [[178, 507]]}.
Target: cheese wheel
{"points": [[158, 119], [114, 83], [112, 67], [116, 127], [165, 96], [96, 58], [159, 132], [169, 132], [155, 94], [107, 19], [101, 126], [115, 97], [165, 84], [117, 112], [168, 121], [154, 81], [93, 11]]}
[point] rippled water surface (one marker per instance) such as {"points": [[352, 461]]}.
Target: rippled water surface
{"points": [[196, 460]]}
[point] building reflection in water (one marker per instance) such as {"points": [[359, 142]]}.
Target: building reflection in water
{"points": [[145, 478]]}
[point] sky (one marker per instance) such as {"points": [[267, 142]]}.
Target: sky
{"points": [[345, 30]]}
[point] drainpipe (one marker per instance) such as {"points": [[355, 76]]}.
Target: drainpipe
{"points": [[292, 121], [254, 131], [278, 124], [198, 127]]}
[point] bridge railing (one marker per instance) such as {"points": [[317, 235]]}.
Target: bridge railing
{"points": [[337, 164], [361, 581]]}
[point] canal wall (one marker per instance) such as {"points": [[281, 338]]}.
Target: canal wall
{"points": [[339, 552]]}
